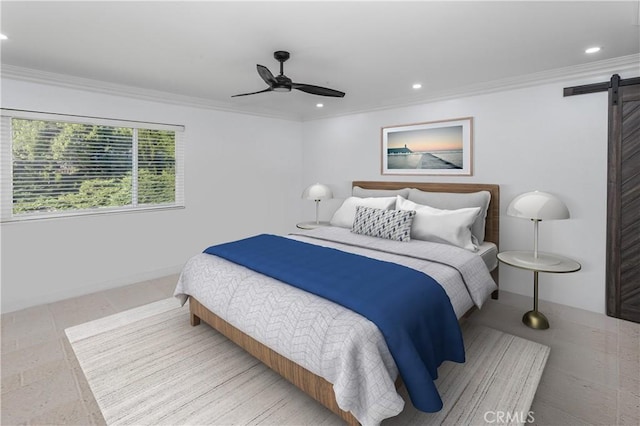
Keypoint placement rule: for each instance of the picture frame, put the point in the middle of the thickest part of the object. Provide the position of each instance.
(441, 148)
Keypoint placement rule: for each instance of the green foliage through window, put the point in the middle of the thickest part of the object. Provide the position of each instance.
(62, 166)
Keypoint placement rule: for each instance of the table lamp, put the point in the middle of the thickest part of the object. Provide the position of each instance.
(317, 192)
(538, 206)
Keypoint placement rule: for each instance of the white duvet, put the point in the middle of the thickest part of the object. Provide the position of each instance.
(327, 339)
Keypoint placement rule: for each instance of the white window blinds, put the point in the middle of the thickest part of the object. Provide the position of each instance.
(59, 165)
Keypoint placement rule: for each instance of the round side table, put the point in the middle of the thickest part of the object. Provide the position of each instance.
(545, 262)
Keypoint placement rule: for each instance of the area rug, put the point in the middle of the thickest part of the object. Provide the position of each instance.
(148, 366)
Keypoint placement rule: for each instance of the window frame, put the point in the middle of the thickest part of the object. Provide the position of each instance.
(6, 164)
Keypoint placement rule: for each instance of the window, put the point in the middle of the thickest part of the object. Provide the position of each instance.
(59, 165)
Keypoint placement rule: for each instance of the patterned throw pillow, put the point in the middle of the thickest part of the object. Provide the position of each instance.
(389, 224)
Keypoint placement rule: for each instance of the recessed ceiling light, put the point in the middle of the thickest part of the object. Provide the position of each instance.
(3, 37)
(592, 49)
(319, 105)
(417, 86)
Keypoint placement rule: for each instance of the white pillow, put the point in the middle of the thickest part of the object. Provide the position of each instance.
(454, 201)
(344, 216)
(442, 226)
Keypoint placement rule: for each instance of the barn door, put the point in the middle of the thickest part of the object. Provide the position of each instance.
(623, 202)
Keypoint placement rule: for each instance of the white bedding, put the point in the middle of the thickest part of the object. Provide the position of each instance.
(327, 339)
(489, 253)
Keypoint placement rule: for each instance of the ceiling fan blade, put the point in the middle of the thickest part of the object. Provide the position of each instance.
(269, 89)
(317, 90)
(266, 75)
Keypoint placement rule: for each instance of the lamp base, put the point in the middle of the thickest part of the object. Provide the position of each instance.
(535, 319)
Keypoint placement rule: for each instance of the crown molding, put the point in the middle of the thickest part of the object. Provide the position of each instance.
(81, 83)
(629, 64)
(624, 64)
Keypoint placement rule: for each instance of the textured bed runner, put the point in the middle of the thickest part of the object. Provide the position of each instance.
(148, 366)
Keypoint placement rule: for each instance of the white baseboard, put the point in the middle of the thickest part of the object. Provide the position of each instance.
(57, 295)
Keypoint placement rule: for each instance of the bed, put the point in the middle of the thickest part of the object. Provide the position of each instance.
(287, 351)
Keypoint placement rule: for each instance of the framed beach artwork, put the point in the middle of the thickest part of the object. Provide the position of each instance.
(434, 148)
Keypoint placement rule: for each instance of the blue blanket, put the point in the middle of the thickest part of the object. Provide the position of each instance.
(410, 308)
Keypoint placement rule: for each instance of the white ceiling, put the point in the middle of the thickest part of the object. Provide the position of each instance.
(373, 51)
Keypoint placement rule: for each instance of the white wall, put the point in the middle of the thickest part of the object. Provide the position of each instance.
(242, 177)
(524, 139)
(245, 174)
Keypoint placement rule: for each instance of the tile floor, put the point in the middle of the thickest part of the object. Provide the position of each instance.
(592, 376)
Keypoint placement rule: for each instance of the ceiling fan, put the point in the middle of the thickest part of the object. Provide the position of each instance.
(282, 83)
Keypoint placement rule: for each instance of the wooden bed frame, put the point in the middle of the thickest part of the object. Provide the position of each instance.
(313, 385)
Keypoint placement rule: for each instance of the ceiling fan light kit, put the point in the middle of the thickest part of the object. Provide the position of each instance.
(282, 83)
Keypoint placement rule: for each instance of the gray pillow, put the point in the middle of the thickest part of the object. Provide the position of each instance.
(389, 224)
(454, 201)
(366, 193)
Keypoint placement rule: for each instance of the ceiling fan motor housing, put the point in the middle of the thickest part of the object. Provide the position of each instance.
(283, 84)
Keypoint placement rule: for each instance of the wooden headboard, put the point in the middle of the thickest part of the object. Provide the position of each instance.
(492, 226)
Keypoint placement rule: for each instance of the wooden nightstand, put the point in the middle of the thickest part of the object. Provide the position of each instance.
(545, 262)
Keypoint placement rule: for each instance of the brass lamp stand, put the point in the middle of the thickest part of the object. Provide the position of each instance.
(535, 319)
